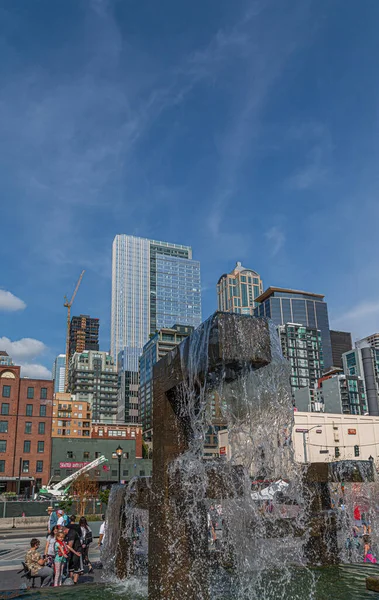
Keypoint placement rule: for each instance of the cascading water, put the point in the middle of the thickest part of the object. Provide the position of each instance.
(263, 550)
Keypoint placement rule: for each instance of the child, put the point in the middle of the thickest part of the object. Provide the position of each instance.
(61, 555)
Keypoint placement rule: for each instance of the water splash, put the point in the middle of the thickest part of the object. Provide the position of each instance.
(262, 550)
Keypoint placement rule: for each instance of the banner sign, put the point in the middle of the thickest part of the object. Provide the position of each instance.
(72, 465)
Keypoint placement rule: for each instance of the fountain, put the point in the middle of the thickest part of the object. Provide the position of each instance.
(237, 360)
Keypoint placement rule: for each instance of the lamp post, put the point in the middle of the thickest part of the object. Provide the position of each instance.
(304, 432)
(119, 452)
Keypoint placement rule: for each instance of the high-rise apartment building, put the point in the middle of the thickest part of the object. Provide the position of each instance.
(84, 334)
(341, 342)
(302, 347)
(58, 373)
(292, 306)
(363, 361)
(154, 285)
(342, 394)
(161, 343)
(93, 379)
(372, 340)
(238, 290)
(128, 384)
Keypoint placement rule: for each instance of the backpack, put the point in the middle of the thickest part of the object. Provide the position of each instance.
(53, 520)
(88, 538)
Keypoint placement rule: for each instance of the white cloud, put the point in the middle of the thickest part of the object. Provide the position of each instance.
(21, 350)
(9, 302)
(276, 238)
(361, 320)
(35, 371)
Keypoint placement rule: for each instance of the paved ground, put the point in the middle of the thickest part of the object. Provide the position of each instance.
(13, 546)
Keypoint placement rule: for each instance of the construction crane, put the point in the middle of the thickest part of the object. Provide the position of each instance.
(68, 305)
(60, 489)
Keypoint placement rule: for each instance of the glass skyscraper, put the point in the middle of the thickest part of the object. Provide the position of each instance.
(293, 306)
(59, 372)
(154, 285)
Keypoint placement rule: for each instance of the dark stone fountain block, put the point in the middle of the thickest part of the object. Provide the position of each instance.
(234, 340)
(352, 471)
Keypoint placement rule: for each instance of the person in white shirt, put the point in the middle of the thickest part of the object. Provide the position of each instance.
(61, 520)
(102, 532)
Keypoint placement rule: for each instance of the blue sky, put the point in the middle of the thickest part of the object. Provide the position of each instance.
(249, 130)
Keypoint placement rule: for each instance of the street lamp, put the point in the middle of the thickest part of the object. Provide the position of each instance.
(119, 452)
(304, 432)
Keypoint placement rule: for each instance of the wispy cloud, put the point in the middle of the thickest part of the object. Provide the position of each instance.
(9, 302)
(276, 239)
(315, 140)
(362, 319)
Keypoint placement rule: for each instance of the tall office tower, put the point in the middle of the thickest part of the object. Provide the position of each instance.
(58, 373)
(302, 347)
(92, 378)
(154, 285)
(238, 290)
(84, 334)
(292, 306)
(341, 343)
(162, 342)
(363, 361)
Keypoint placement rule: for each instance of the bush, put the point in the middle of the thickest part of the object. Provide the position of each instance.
(104, 496)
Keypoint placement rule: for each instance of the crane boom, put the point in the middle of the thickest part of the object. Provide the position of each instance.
(71, 478)
(68, 305)
(60, 488)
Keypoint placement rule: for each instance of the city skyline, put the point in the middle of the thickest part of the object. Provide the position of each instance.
(211, 127)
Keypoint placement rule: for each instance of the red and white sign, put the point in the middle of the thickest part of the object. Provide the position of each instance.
(72, 465)
(222, 450)
(352, 432)
(298, 430)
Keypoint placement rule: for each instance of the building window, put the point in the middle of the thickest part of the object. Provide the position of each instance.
(29, 410)
(337, 452)
(5, 408)
(30, 393)
(125, 472)
(42, 410)
(86, 455)
(41, 447)
(28, 427)
(43, 394)
(27, 444)
(3, 426)
(57, 472)
(356, 450)
(39, 466)
(6, 391)
(114, 473)
(97, 454)
(41, 428)
(2, 466)
(3, 445)
(70, 454)
(142, 473)
(25, 466)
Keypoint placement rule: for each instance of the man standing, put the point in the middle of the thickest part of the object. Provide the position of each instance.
(73, 540)
(37, 564)
(53, 519)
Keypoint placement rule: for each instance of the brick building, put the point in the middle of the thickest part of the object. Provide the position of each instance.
(25, 430)
(119, 431)
(71, 418)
